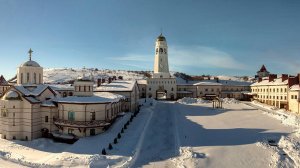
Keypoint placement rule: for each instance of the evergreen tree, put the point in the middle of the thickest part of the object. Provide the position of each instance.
(103, 152)
(115, 141)
(110, 146)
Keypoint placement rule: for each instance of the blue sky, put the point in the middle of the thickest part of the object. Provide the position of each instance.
(218, 37)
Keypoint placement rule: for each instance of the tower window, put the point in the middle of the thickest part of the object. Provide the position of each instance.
(21, 78)
(160, 50)
(34, 78)
(27, 77)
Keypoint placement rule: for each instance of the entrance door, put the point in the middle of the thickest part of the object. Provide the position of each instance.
(92, 132)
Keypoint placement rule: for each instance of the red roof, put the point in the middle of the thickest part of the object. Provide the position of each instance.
(263, 69)
(2, 80)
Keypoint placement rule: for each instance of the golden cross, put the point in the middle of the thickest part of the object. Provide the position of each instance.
(30, 53)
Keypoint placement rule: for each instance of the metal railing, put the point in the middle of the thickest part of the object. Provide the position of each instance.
(81, 124)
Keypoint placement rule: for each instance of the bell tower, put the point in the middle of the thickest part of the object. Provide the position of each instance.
(161, 65)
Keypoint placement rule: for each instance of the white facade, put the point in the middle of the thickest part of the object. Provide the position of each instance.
(161, 85)
(161, 65)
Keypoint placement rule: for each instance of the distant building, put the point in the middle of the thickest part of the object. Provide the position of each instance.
(3, 85)
(128, 88)
(263, 72)
(212, 88)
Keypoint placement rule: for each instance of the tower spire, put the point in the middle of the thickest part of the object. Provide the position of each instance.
(30, 53)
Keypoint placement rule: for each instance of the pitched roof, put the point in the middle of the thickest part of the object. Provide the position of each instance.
(2, 80)
(98, 97)
(117, 86)
(263, 69)
(31, 90)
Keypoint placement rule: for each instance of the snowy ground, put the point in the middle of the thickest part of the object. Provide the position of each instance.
(169, 134)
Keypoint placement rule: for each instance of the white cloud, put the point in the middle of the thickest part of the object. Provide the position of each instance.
(201, 56)
(181, 57)
(135, 57)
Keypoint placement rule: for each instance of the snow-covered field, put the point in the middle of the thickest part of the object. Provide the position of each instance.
(60, 75)
(168, 134)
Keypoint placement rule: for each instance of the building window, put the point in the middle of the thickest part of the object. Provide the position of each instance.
(34, 78)
(28, 77)
(21, 77)
(4, 112)
(93, 116)
(46, 118)
(206, 89)
(14, 115)
(71, 116)
(149, 88)
(295, 96)
(172, 89)
(70, 131)
(40, 78)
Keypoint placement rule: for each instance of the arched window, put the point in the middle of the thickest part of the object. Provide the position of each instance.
(165, 50)
(40, 78)
(79, 88)
(172, 89)
(156, 50)
(21, 77)
(34, 78)
(160, 50)
(28, 75)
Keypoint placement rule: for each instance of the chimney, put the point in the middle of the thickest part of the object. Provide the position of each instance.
(293, 80)
(259, 79)
(284, 77)
(99, 81)
(272, 77)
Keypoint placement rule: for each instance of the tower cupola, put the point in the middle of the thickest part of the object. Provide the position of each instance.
(30, 72)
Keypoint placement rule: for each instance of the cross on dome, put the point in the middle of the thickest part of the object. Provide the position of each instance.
(30, 53)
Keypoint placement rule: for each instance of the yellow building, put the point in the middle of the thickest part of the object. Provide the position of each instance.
(272, 91)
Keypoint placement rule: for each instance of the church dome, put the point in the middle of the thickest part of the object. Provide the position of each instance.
(30, 64)
(161, 38)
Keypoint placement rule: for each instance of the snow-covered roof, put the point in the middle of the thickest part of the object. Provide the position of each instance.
(30, 63)
(31, 90)
(32, 99)
(277, 81)
(142, 82)
(208, 83)
(48, 103)
(57, 87)
(181, 81)
(11, 94)
(295, 87)
(234, 83)
(100, 97)
(117, 85)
